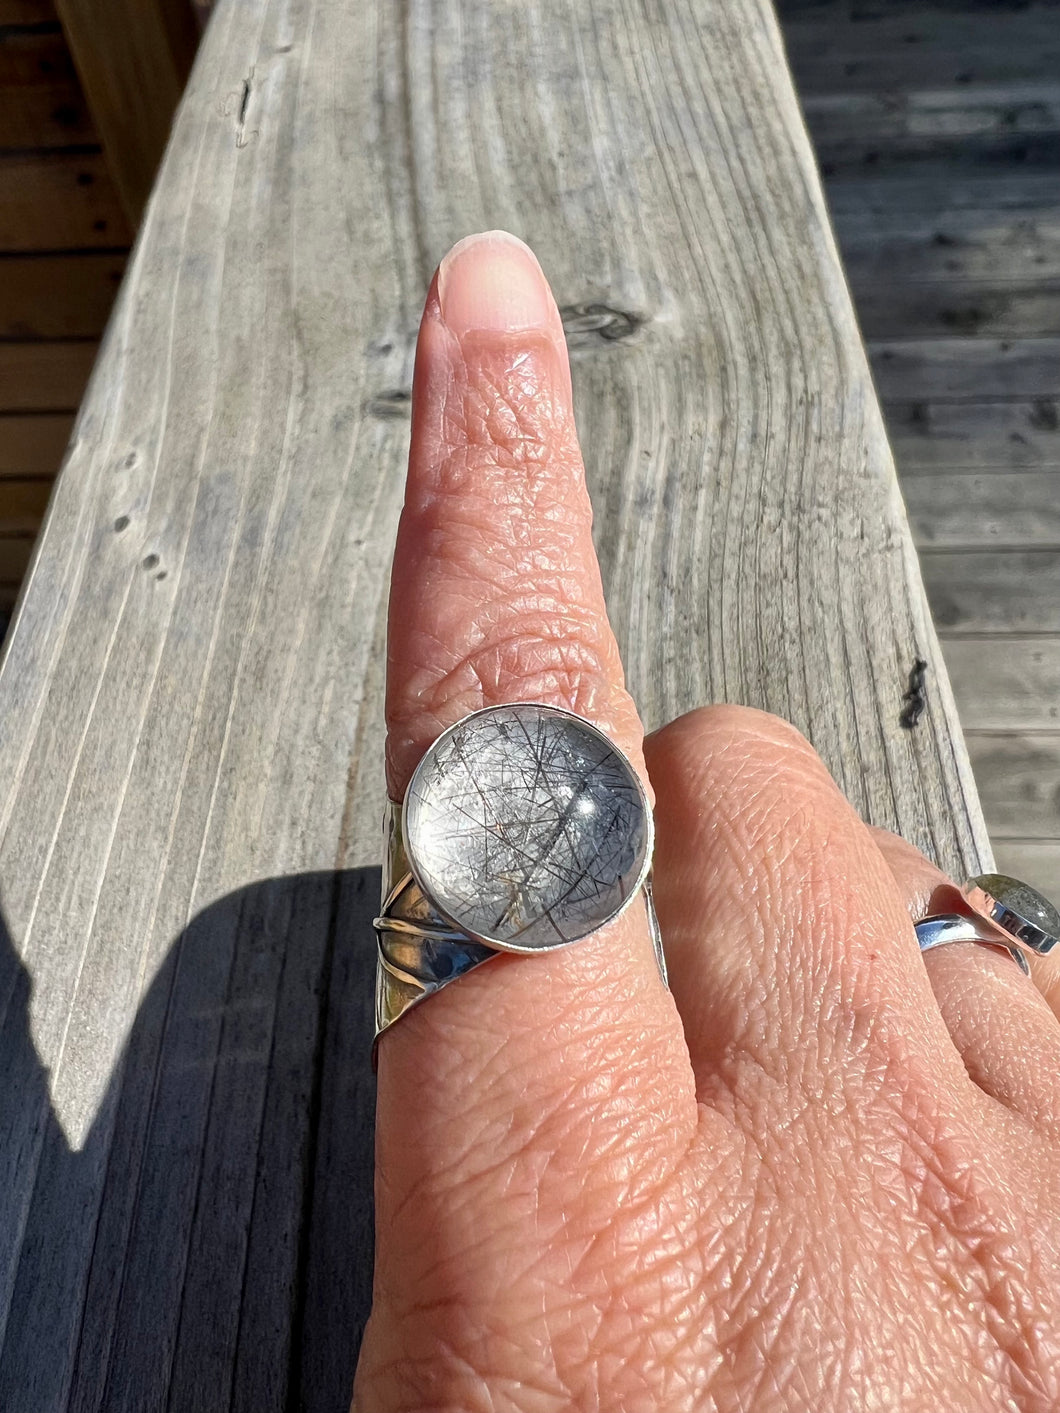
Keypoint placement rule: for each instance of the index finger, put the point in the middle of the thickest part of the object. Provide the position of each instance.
(496, 597)
(496, 592)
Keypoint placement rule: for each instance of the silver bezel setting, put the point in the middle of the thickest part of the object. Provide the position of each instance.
(1019, 928)
(417, 872)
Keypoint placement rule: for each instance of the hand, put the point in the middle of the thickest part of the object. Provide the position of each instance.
(823, 1172)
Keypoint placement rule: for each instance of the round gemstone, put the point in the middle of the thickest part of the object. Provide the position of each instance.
(527, 827)
(1023, 900)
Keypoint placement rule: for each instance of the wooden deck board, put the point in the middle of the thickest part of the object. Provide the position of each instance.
(32, 445)
(41, 104)
(44, 376)
(935, 123)
(191, 696)
(1018, 774)
(58, 201)
(988, 434)
(58, 297)
(62, 237)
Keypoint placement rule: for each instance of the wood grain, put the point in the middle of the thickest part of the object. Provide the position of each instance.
(929, 369)
(958, 237)
(132, 57)
(1018, 776)
(59, 201)
(191, 697)
(33, 445)
(994, 434)
(941, 188)
(1006, 682)
(1036, 860)
(22, 506)
(26, 12)
(58, 296)
(15, 551)
(44, 377)
(1008, 509)
(986, 591)
(41, 104)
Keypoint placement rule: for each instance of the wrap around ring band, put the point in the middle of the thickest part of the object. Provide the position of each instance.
(956, 927)
(1008, 916)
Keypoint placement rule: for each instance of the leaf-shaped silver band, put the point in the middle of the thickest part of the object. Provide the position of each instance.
(419, 951)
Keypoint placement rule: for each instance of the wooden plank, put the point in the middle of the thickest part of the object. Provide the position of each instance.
(1005, 683)
(1036, 861)
(191, 695)
(15, 550)
(995, 509)
(993, 148)
(953, 270)
(951, 245)
(989, 151)
(913, 26)
(931, 369)
(26, 12)
(975, 127)
(912, 13)
(993, 591)
(829, 53)
(914, 120)
(997, 309)
(41, 104)
(44, 377)
(22, 505)
(59, 201)
(133, 59)
(997, 434)
(882, 67)
(33, 445)
(944, 188)
(57, 296)
(1018, 775)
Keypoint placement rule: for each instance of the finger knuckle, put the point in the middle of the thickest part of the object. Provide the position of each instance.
(561, 662)
(741, 759)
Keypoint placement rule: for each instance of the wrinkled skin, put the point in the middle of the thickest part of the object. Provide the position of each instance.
(821, 1172)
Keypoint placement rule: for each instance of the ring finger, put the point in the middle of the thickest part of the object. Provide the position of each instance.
(1000, 1020)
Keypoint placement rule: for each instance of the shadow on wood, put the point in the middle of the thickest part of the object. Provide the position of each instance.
(210, 1246)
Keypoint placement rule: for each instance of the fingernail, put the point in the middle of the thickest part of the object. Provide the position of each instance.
(492, 282)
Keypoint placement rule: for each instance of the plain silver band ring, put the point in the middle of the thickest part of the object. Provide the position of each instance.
(944, 928)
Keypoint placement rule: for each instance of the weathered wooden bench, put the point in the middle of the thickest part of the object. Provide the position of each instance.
(190, 701)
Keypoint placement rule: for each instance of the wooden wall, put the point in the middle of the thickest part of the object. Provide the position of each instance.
(87, 93)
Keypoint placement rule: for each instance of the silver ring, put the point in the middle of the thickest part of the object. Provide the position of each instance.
(1009, 915)
(1019, 910)
(944, 928)
(523, 829)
